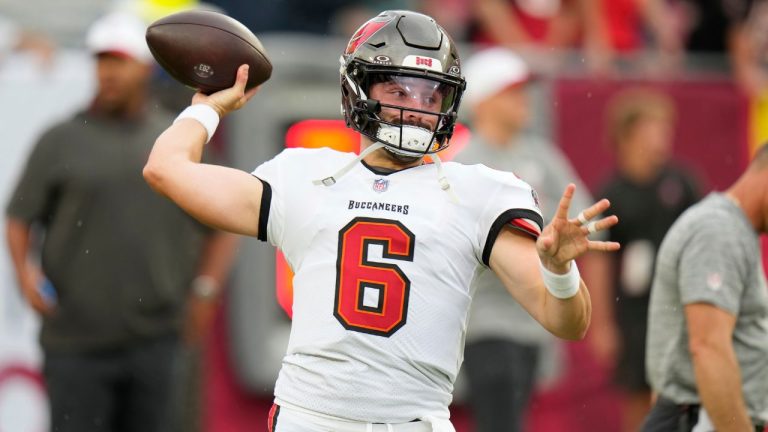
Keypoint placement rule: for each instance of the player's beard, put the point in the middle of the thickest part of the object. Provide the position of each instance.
(399, 158)
(395, 120)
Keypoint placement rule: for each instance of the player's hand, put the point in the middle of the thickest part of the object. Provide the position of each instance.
(566, 239)
(231, 99)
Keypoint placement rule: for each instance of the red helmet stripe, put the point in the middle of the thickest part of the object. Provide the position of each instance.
(362, 35)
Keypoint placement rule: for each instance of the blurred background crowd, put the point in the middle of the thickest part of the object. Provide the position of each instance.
(651, 103)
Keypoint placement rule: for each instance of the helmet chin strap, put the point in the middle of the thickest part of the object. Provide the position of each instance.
(330, 181)
(441, 178)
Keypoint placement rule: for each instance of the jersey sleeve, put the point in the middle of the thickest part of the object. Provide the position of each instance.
(512, 203)
(273, 200)
(713, 269)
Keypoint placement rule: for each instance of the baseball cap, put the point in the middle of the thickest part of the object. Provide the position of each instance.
(492, 70)
(119, 33)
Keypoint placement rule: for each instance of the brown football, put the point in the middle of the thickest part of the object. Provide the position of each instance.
(203, 49)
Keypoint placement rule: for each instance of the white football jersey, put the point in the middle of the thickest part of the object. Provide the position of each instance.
(383, 266)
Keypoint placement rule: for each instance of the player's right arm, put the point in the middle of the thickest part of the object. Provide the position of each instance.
(221, 197)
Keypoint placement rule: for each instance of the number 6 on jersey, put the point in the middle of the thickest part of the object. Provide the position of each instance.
(372, 297)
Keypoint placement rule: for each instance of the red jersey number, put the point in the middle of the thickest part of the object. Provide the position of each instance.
(372, 297)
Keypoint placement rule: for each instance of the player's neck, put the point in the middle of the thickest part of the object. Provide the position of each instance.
(385, 160)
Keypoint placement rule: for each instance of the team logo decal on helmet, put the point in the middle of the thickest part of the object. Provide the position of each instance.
(365, 31)
(408, 54)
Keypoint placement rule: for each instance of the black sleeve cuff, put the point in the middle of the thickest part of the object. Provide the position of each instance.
(504, 219)
(266, 201)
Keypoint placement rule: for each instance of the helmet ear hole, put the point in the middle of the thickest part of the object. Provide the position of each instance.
(372, 106)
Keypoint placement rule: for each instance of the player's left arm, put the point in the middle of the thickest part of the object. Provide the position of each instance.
(516, 259)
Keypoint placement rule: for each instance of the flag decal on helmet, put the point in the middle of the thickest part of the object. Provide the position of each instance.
(423, 63)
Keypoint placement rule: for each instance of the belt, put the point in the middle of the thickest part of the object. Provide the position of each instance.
(691, 417)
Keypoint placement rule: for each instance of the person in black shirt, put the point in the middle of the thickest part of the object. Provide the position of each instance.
(647, 193)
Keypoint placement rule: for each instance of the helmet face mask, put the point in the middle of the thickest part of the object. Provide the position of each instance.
(401, 83)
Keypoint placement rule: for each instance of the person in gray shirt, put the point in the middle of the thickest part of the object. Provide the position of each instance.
(507, 351)
(124, 274)
(707, 343)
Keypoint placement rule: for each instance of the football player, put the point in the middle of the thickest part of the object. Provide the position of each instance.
(384, 246)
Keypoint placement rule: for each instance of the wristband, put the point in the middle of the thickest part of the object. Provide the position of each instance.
(562, 286)
(204, 114)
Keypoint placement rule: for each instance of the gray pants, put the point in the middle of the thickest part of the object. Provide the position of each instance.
(120, 390)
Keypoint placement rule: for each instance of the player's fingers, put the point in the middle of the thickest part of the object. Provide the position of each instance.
(242, 78)
(565, 202)
(603, 246)
(592, 211)
(602, 224)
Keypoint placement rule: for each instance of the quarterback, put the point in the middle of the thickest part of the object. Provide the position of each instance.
(384, 246)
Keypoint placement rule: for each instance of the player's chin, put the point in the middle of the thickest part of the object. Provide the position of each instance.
(401, 158)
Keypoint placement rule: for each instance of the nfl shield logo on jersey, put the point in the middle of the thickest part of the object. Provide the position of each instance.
(380, 185)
